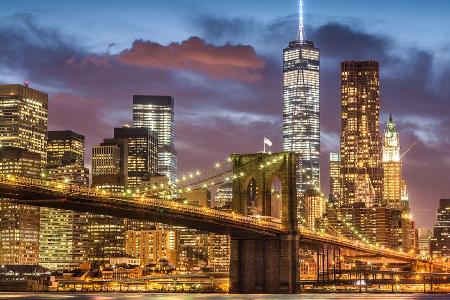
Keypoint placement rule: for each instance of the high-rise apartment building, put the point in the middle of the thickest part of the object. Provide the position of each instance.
(157, 114)
(335, 177)
(440, 242)
(301, 127)
(360, 147)
(393, 184)
(24, 119)
(142, 153)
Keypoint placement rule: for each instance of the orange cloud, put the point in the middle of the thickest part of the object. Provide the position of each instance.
(236, 62)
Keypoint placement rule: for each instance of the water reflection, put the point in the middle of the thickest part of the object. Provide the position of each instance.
(120, 296)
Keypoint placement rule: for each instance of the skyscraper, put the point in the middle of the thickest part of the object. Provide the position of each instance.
(440, 242)
(361, 168)
(63, 239)
(65, 157)
(65, 147)
(110, 164)
(392, 166)
(142, 153)
(157, 114)
(335, 177)
(301, 130)
(23, 140)
(24, 119)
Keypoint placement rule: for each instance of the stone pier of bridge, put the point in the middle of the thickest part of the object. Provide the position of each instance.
(265, 188)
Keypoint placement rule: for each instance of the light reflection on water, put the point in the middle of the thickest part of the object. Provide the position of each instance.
(119, 296)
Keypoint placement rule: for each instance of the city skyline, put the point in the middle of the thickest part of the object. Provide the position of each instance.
(258, 113)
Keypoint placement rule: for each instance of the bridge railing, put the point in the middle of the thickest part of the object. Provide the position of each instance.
(64, 189)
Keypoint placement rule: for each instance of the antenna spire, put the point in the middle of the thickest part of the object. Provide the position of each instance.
(301, 27)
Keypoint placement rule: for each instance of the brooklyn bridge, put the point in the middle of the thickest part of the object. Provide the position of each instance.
(264, 245)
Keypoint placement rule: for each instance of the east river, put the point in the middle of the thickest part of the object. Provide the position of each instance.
(120, 296)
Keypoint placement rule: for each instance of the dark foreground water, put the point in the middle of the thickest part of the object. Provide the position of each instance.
(120, 296)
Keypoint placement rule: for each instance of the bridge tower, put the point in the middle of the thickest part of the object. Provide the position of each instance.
(266, 188)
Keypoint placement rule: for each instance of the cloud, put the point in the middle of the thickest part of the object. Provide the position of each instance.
(237, 62)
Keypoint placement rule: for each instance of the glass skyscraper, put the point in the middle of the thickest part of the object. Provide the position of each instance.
(157, 113)
(301, 129)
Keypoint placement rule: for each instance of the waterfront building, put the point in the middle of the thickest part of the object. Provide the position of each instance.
(157, 114)
(440, 242)
(218, 252)
(301, 126)
(335, 177)
(63, 241)
(24, 119)
(151, 246)
(106, 237)
(360, 145)
(19, 234)
(142, 153)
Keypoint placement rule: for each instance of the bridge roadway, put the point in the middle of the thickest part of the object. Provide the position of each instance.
(53, 194)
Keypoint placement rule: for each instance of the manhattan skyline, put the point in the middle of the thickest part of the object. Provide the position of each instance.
(232, 97)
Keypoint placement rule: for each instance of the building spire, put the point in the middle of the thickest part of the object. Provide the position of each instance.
(301, 27)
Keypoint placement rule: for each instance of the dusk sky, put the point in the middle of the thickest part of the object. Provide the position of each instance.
(221, 60)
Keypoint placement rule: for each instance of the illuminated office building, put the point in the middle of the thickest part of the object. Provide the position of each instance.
(315, 207)
(153, 245)
(23, 142)
(301, 130)
(63, 242)
(20, 162)
(106, 237)
(63, 238)
(360, 147)
(424, 237)
(157, 114)
(440, 242)
(24, 119)
(392, 166)
(65, 157)
(335, 177)
(219, 252)
(19, 234)
(110, 164)
(142, 153)
(64, 148)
